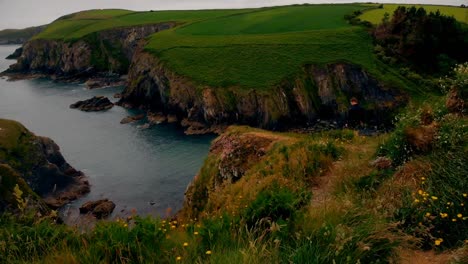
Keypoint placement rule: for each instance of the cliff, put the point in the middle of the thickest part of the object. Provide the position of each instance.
(318, 92)
(19, 36)
(245, 162)
(106, 53)
(37, 166)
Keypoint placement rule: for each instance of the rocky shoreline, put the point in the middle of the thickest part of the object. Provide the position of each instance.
(41, 170)
(317, 93)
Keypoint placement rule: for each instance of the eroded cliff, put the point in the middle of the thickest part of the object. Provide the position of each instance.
(101, 53)
(37, 166)
(316, 93)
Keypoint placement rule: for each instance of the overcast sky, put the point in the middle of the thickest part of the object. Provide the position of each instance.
(25, 13)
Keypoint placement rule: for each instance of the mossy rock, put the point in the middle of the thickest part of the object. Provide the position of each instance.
(9, 179)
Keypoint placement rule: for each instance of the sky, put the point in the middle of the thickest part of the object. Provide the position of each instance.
(26, 13)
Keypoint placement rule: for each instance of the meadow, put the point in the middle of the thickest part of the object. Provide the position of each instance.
(375, 15)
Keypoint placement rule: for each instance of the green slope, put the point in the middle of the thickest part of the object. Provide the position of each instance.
(375, 15)
(261, 48)
(80, 24)
(249, 48)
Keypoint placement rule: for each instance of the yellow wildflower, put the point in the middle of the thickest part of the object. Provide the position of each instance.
(459, 215)
(208, 252)
(420, 192)
(428, 214)
(443, 215)
(434, 198)
(195, 233)
(437, 242)
(185, 244)
(454, 220)
(422, 178)
(178, 258)
(465, 195)
(416, 200)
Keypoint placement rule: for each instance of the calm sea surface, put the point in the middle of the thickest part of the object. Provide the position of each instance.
(147, 170)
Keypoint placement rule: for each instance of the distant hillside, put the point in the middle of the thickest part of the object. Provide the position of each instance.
(19, 36)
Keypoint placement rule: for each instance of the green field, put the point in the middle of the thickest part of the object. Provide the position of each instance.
(77, 25)
(261, 48)
(375, 15)
(247, 48)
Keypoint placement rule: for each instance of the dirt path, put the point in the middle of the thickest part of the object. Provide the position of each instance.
(353, 164)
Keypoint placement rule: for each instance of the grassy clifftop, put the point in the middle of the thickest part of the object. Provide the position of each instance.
(251, 48)
(247, 48)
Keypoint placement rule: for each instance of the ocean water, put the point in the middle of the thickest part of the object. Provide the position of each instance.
(147, 170)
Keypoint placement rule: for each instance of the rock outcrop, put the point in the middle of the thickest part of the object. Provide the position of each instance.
(16, 54)
(316, 93)
(130, 119)
(97, 103)
(100, 208)
(93, 56)
(39, 163)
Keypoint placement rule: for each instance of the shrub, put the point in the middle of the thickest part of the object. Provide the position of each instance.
(276, 204)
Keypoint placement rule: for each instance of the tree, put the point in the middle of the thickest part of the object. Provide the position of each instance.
(428, 42)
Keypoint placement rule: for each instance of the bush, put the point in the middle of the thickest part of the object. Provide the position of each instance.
(276, 204)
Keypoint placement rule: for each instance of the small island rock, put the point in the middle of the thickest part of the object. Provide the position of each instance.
(97, 103)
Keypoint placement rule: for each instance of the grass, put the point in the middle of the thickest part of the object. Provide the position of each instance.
(261, 48)
(247, 49)
(308, 199)
(375, 15)
(78, 25)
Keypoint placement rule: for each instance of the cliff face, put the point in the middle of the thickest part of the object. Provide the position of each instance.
(105, 51)
(19, 36)
(36, 163)
(316, 93)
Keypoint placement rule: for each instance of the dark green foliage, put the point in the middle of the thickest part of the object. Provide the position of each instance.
(107, 55)
(274, 204)
(428, 42)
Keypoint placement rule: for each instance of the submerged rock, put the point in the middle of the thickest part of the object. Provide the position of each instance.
(100, 208)
(157, 118)
(130, 119)
(97, 103)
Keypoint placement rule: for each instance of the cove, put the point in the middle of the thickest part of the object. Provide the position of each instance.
(146, 170)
